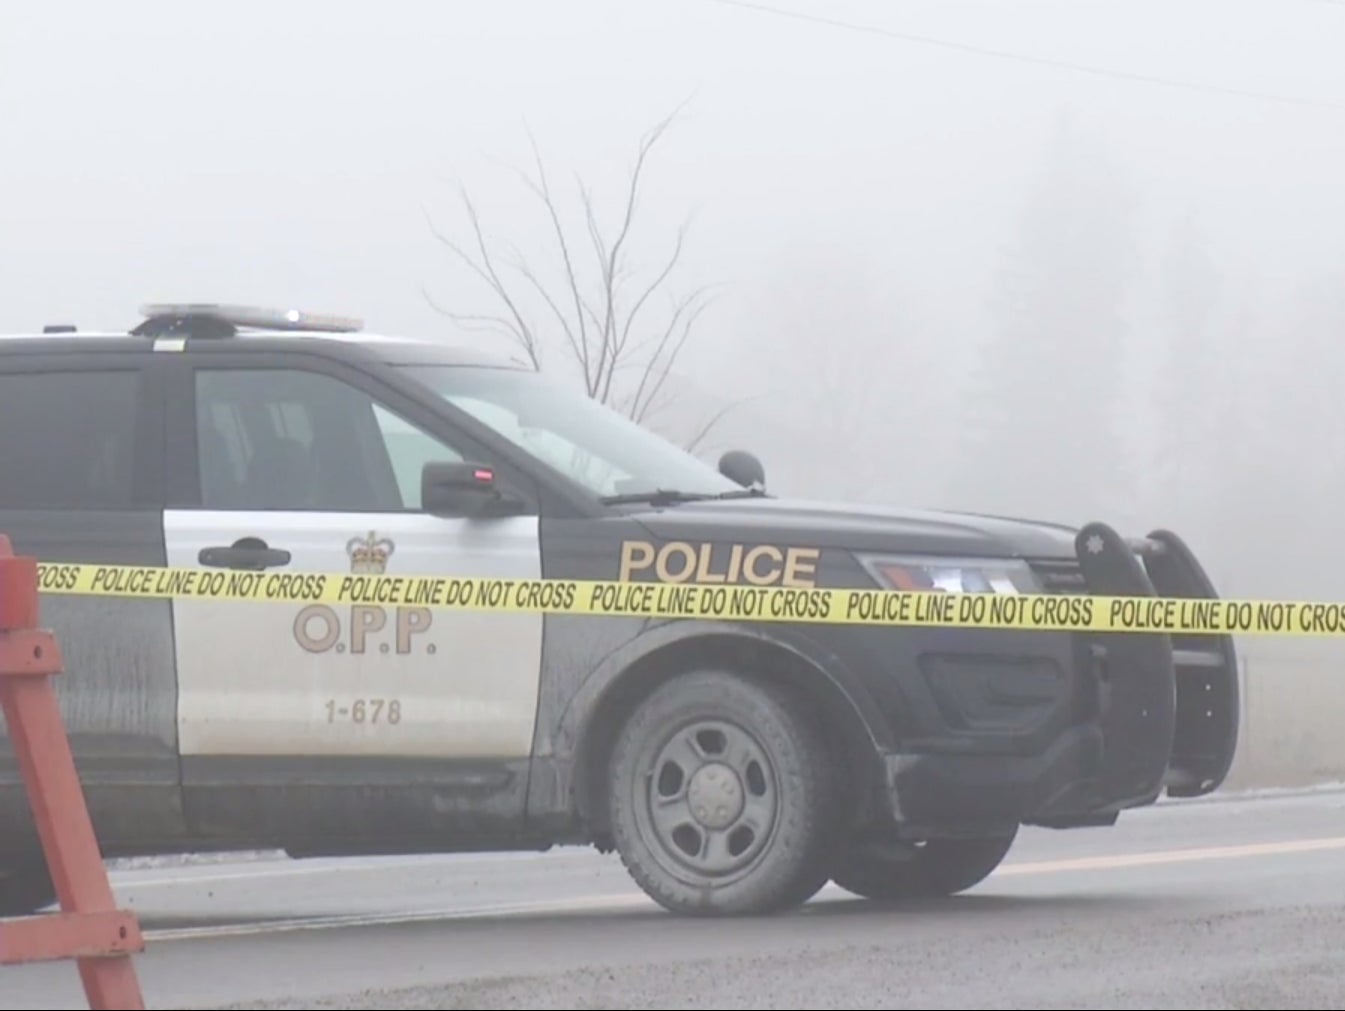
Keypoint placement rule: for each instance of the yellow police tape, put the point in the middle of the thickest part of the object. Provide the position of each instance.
(832, 606)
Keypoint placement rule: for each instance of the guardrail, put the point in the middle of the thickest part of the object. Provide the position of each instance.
(89, 927)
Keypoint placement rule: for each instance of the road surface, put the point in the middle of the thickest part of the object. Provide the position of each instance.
(1231, 903)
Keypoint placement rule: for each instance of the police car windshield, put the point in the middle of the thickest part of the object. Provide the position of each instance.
(585, 440)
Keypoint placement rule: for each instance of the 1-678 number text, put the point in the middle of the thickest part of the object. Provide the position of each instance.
(364, 711)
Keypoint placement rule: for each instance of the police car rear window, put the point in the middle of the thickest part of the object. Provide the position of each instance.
(67, 439)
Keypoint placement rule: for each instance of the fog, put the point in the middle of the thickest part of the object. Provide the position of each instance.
(1075, 260)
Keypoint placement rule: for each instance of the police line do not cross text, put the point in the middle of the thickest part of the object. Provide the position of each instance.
(719, 602)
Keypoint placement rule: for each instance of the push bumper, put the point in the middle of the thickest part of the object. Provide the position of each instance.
(1169, 703)
(1156, 711)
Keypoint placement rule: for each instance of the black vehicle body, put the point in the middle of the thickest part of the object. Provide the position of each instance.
(937, 732)
(946, 729)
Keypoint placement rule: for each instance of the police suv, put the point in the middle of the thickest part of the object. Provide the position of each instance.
(736, 767)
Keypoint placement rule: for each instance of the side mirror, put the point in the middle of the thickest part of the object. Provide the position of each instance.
(743, 468)
(461, 489)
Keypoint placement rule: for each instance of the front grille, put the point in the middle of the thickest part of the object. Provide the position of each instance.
(1065, 576)
(1060, 576)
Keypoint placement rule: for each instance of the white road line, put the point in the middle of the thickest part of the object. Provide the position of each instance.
(281, 866)
(613, 902)
(1159, 857)
(284, 867)
(588, 903)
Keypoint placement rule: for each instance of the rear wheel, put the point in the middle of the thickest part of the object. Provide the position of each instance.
(934, 868)
(721, 797)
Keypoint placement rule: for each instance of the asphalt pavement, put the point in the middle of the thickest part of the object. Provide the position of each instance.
(1226, 903)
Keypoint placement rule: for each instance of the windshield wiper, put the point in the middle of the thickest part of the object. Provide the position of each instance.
(670, 496)
(659, 496)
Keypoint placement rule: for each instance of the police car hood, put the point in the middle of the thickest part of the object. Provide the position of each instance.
(858, 527)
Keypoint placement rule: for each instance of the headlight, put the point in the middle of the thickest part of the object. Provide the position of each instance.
(951, 575)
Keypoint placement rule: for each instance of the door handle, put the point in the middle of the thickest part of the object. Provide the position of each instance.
(247, 553)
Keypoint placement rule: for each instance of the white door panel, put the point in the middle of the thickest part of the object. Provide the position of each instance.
(297, 679)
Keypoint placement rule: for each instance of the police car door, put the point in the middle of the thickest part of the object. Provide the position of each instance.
(302, 469)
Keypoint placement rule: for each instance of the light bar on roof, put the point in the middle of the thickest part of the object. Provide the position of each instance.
(253, 316)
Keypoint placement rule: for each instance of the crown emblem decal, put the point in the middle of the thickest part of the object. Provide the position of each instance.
(369, 554)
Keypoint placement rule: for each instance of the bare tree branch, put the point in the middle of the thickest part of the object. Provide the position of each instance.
(542, 188)
(624, 357)
(486, 270)
(715, 419)
(659, 372)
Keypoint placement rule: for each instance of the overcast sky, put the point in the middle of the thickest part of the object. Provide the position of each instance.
(283, 152)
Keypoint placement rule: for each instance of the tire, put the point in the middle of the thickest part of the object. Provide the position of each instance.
(933, 869)
(766, 812)
(25, 889)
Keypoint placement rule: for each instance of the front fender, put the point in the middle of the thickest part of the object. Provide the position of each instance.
(586, 703)
(559, 788)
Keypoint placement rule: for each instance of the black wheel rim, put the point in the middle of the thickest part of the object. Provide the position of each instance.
(710, 800)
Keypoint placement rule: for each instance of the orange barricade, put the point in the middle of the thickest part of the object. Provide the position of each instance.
(89, 927)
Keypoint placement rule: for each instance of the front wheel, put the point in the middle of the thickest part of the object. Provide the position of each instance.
(721, 794)
(934, 868)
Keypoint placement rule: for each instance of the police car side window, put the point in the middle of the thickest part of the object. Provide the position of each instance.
(67, 439)
(410, 448)
(291, 439)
